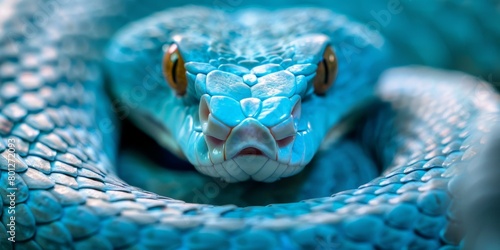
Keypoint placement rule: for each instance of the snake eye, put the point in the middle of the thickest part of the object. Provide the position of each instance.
(326, 72)
(174, 70)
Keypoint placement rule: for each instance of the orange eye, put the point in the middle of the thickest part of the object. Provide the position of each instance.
(326, 72)
(174, 70)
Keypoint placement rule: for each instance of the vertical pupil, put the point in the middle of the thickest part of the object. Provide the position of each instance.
(325, 80)
(174, 68)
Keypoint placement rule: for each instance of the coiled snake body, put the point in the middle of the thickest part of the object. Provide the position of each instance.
(59, 136)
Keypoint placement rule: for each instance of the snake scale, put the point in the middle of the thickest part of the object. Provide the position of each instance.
(59, 140)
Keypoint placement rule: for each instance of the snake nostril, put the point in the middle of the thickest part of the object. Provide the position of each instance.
(285, 141)
(213, 141)
(204, 110)
(284, 130)
(297, 110)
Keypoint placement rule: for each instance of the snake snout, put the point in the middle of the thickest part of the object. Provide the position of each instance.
(250, 137)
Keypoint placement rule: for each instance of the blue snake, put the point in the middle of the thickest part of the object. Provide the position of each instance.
(252, 95)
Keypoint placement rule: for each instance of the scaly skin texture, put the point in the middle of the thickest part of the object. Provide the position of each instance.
(57, 119)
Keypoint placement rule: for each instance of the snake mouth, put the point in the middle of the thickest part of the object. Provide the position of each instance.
(250, 151)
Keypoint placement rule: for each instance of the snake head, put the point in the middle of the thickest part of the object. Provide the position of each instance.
(250, 115)
(244, 100)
